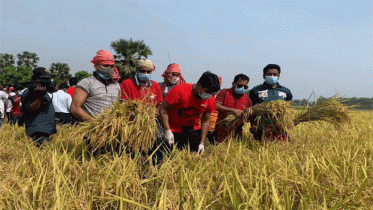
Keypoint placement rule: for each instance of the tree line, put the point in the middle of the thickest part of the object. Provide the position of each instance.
(12, 73)
(355, 103)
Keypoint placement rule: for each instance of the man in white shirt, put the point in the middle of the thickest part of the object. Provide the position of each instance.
(61, 103)
(3, 97)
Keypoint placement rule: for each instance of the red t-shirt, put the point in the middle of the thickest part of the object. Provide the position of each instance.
(15, 107)
(226, 98)
(185, 107)
(135, 91)
(71, 91)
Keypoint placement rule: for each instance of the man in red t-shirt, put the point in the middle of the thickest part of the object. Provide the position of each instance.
(141, 86)
(71, 90)
(233, 100)
(182, 107)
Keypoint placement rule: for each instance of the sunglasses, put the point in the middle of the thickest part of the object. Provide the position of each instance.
(245, 86)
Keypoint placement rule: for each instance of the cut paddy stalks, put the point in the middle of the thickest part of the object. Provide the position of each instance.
(329, 110)
(129, 126)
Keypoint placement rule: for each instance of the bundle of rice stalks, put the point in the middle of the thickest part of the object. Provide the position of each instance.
(278, 111)
(130, 125)
(329, 110)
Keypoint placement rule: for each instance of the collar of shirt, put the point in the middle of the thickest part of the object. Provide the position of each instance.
(271, 86)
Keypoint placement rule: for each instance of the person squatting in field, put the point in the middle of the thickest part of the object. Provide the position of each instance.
(233, 100)
(98, 92)
(182, 107)
(270, 90)
(171, 77)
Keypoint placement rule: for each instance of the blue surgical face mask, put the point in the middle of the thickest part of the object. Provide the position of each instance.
(103, 76)
(205, 96)
(240, 91)
(271, 80)
(144, 77)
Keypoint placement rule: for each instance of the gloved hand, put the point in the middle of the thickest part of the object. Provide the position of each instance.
(169, 136)
(201, 148)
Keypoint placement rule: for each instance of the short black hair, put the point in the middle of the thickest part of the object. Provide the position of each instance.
(240, 77)
(73, 81)
(63, 85)
(210, 81)
(271, 66)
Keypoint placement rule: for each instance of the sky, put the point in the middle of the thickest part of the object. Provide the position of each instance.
(322, 46)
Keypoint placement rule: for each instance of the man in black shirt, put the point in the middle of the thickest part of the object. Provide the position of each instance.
(38, 114)
(270, 90)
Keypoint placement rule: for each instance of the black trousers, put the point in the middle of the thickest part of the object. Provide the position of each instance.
(65, 118)
(188, 137)
(39, 138)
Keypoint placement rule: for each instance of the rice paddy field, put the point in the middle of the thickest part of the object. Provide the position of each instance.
(321, 168)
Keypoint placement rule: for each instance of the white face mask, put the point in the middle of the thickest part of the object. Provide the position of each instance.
(205, 96)
(174, 80)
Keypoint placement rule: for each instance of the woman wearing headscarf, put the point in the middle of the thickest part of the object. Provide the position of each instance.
(172, 77)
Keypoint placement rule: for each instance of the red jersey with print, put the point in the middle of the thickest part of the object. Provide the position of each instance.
(131, 90)
(185, 107)
(227, 98)
(71, 91)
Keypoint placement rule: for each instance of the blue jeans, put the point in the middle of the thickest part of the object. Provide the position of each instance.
(1, 121)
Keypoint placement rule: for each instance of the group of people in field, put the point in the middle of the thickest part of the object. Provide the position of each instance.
(187, 113)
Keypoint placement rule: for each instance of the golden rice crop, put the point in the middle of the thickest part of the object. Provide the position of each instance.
(278, 111)
(130, 125)
(330, 110)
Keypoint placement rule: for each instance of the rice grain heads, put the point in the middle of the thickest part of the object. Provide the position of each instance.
(129, 126)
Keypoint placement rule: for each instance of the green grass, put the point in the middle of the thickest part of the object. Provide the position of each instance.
(321, 168)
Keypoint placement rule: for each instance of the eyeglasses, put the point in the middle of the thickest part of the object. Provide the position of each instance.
(245, 86)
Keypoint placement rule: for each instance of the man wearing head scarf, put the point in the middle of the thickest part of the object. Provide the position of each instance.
(98, 92)
(172, 77)
(141, 86)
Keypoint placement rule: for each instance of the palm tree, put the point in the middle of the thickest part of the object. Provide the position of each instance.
(60, 72)
(128, 53)
(6, 60)
(27, 59)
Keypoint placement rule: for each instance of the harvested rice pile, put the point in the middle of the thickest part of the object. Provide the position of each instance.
(129, 126)
(277, 111)
(330, 110)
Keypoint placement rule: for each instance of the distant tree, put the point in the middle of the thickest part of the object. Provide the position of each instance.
(28, 59)
(60, 72)
(81, 75)
(6, 60)
(15, 75)
(128, 53)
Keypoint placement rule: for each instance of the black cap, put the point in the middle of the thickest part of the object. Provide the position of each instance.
(39, 72)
